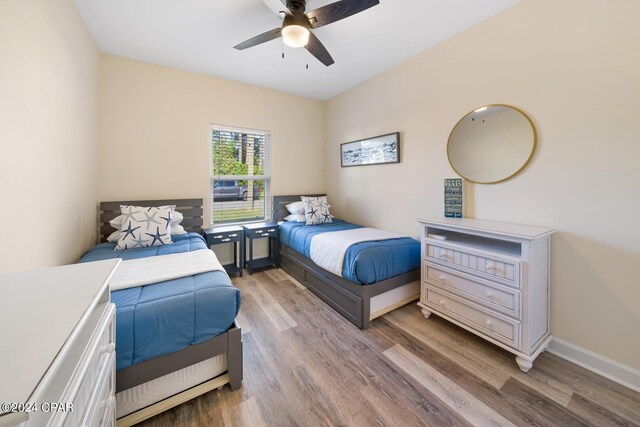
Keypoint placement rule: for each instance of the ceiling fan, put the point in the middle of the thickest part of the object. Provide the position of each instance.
(295, 30)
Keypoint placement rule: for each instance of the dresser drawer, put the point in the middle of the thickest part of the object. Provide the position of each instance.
(109, 417)
(494, 325)
(94, 363)
(224, 237)
(103, 400)
(492, 266)
(72, 369)
(494, 296)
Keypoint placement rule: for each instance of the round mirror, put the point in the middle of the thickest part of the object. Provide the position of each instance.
(491, 144)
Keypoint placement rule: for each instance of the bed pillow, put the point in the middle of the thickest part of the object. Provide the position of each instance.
(176, 228)
(177, 217)
(295, 208)
(316, 210)
(117, 222)
(296, 218)
(113, 237)
(144, 226)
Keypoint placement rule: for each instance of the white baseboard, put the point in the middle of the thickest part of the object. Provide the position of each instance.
(608, 368)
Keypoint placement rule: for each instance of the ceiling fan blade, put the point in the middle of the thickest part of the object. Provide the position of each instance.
(339, 10)
(277, 6)
(259, 39)
(317, 49)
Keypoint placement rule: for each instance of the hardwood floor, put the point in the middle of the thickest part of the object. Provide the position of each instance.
(306, 365)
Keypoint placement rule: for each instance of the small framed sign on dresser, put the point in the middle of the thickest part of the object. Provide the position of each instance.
(491, 278)
(453, 198)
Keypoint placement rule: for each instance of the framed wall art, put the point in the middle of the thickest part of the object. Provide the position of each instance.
(371, 151)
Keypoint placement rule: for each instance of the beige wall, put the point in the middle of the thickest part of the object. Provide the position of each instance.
(573, 66)
(48, 134)
(155, 126)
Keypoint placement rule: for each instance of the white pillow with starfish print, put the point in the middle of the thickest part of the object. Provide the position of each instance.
(144, 226)
(316, 210)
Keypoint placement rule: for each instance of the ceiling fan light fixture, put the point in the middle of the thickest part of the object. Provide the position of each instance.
(296, 28)
(295, 35)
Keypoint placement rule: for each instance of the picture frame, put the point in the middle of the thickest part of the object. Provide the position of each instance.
(453, 198)
(376, 150)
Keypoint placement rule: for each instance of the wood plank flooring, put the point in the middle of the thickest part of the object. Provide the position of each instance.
(305, 365)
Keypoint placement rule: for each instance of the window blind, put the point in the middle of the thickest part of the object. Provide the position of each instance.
(240, 176)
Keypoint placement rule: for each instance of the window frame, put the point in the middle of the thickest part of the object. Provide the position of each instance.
(266, 177)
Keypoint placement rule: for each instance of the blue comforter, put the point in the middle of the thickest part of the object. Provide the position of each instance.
(169, 316)
(364, 263)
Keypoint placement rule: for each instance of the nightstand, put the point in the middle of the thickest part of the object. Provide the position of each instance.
(268, 230)
(228, 234)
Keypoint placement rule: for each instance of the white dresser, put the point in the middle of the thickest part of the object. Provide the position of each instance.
(490, 278)
(57, 359)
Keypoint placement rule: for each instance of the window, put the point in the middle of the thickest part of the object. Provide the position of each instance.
(240, 179)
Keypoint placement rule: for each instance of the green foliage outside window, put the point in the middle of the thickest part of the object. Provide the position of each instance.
(230, 154)
(239, 159)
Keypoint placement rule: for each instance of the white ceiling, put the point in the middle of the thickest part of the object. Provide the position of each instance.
(199, 35)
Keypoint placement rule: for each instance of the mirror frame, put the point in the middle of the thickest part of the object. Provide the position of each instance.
(524, 165)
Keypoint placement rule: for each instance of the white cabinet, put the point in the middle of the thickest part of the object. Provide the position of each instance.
(490, 278)
(57, 327)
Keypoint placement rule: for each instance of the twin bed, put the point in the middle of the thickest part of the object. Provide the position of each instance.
(377, 276)
(177, 338)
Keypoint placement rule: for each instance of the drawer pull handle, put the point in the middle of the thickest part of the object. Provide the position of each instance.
(259, 231)
(442, 278)
(442, 302)
(489, 323)
(443, 257)
(489, 294)
(109, 348)
(271, 230)
(226, 240)
(265, 234)
(490, 267)
(219, 236)
(233, 235)
(108, 403)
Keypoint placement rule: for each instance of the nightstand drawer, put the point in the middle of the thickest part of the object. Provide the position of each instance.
(226, 237)
(223, 234)
(264, 232)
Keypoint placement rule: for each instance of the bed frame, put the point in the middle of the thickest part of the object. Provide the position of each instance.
(191, 209)
(358, 303)
(228, 343)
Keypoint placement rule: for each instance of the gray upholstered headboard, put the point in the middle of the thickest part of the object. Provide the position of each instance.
(279, 203)
(191, 209)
